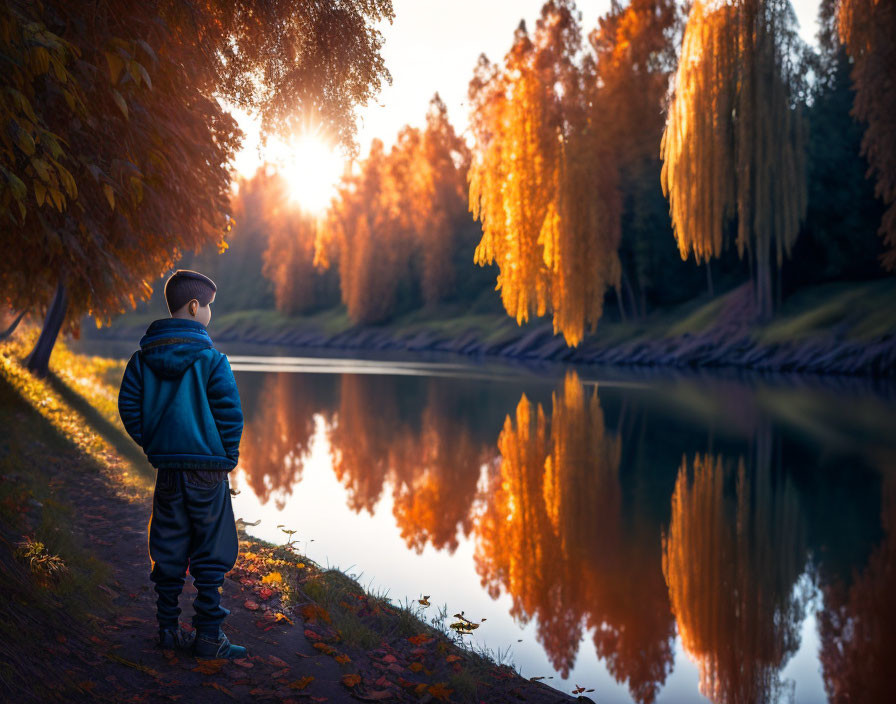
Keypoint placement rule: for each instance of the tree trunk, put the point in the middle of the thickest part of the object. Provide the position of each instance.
(763, 280)
(619, 303)
(629, 294)
(38, 361)
(12, 328)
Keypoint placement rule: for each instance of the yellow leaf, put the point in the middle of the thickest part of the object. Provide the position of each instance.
(40, 192)
(110, 195)
(272, 577)
(115, 66)
(343, 659)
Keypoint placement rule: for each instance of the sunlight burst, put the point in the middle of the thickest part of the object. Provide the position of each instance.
(311, 170)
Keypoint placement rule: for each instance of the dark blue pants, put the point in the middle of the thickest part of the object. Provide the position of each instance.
(192, 525)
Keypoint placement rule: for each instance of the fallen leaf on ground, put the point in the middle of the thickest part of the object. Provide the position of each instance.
(351, 680)
(376, 694)
(302, 682)
(415, 666)
(210, 667)
(452, 658)
(440, 691)
(251, 605)
(343, 659)
(220, 688)
(276, 662)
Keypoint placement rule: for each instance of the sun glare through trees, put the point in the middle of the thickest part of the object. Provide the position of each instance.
(311, 169)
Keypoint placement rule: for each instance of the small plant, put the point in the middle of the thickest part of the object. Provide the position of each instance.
(41, 563)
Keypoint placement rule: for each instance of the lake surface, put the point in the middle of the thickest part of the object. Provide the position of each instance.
(658, 539)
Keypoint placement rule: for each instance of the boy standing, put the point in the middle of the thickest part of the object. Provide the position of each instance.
(179, 402)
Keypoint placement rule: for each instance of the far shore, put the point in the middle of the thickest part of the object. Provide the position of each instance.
(834, 329)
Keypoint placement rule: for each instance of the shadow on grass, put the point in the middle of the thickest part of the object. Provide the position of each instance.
(123, 445)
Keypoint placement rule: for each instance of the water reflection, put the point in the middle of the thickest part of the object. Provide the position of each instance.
(858, 623)
(734, 551)
(621, 515)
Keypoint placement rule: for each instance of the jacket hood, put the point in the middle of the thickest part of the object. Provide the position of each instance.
(171, 345)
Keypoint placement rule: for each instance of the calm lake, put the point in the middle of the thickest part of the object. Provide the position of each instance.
(657, 538)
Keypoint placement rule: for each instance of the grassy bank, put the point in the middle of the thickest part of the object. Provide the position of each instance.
(67, 434)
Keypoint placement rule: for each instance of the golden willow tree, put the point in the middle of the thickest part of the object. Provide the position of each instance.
(114, 148)
(867, 27)
(734, 142)
(543, 181)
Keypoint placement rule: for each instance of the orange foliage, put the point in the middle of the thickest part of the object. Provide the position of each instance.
(395, 208)
(543, 179)
(867, 27)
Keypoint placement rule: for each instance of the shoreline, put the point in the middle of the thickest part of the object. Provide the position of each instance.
(716, 349)
(311, 632)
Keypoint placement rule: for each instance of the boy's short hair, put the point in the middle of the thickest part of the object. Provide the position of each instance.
(184, 285)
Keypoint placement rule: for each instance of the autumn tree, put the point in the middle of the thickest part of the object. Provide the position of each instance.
(398, 221)
(542, 178)
(115, 149)
(288, 257)
(444, 162)
(635, 56)
(867, 27)
(368, 233)
(734, 141)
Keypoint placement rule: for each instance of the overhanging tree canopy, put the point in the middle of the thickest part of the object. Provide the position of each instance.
(115, 150)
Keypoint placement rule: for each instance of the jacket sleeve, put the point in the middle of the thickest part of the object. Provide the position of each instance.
(130, 397)
(224, 401)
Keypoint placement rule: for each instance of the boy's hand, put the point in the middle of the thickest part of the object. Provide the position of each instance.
(224, 401)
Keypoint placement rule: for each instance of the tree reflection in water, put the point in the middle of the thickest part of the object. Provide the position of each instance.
(732, 556)
(277, 437)
(551, 535)
(858, 624)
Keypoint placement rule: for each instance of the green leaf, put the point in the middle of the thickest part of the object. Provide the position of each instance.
(19, 190)
(41, 167)
(24, 140)
(119, 101)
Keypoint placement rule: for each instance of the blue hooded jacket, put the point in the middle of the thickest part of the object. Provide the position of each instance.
(178, 398)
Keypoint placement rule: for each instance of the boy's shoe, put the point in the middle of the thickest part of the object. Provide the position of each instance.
(205, 647)
(171, 638)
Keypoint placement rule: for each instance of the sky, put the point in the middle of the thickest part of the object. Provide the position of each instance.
(433, 45)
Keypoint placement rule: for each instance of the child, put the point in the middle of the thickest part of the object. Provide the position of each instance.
(179, 402)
